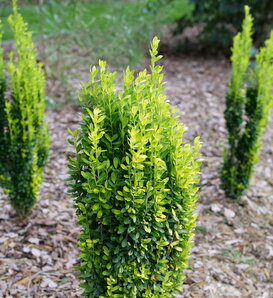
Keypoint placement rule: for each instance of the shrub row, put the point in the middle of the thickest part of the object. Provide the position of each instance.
(133, 178)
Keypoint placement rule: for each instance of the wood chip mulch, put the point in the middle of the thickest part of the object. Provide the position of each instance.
(232, 254)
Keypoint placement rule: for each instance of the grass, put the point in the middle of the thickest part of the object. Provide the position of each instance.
(236, 256)
(55, 17)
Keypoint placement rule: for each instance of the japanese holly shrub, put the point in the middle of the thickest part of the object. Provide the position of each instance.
(248, 104)
(23, 132)
(134, 183)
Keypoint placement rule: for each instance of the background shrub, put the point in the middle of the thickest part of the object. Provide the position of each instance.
(223, 18)
(248, 104)
(2, 102)
(134, 185)
(24, 135)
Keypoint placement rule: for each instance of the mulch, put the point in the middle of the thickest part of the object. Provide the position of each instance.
(232, 255)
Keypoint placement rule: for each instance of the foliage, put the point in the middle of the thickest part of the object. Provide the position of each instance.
(134, 185)
(2, 103)
(248, 104)
(155, 5)
(167, 11)
(221, 18)
(24, 135)
(175, 10)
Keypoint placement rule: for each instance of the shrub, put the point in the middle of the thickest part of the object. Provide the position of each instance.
(248, 103)
(2, 103)
(24, 134)
(221, 18)
(134, 184)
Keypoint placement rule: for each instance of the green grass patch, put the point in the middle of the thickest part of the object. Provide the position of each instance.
(59, 17)
(237, 257)
(56, 17)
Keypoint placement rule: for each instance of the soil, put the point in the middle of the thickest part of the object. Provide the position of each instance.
(232, 254)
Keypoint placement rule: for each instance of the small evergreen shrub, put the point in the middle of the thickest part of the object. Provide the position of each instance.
(23, 132)
(248, 104)
(2, 102)
(134, 183)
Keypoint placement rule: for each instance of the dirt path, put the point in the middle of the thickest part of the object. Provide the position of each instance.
(233, 251)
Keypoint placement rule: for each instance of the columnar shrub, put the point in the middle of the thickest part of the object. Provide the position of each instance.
(2, 102)
(134, 183)
(23, 132)
(248, 104)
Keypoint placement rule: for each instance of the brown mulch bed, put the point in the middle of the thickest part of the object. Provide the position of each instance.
(232, 254)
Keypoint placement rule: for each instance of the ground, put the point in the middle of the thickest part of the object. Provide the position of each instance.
(232, 254)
